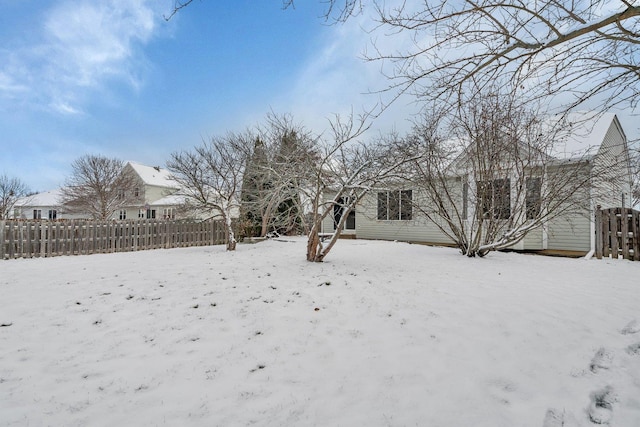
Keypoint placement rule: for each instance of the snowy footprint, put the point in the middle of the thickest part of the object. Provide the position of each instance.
(557, 418)
(632, 327)
(601, 407)
(634, 349)
(601, 360)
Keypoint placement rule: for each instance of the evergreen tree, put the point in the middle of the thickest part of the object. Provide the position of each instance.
(254, 186)
(291, 154)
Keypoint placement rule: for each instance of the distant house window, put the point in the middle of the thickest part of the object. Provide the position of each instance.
(136, 192)
(120, 194)
(395, 205)
(123, 214)
(53, 214)
(168, 213)
(533, 197)
(142, 213)
(494, 198)
(37, 214)
(151, 213)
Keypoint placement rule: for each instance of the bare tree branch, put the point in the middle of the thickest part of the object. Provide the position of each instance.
(11, 189)
(97, 187)
(177, 6)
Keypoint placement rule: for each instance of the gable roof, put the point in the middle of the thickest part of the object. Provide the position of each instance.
(579, 134)
(46, 198)
(575, 136)
(154, 175)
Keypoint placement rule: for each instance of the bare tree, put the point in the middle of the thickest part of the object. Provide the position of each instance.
(211, 175)
(97, 187)
(11, 189)
(582, 49)
(348, 170)
(491, 173)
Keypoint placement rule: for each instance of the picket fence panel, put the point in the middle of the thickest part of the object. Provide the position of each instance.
(29, 239)
(618, 233)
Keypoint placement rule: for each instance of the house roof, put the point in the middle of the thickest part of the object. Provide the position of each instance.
(46, 198)
(579, 134)
(154, 175)
(170, 200)
(573, 136)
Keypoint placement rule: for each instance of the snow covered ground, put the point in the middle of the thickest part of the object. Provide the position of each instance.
(381, 334)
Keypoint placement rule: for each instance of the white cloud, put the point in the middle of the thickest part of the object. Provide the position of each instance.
(338, 80)
(82, 46)
(9, 85)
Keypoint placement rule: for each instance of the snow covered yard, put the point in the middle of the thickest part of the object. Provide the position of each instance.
(381, 334)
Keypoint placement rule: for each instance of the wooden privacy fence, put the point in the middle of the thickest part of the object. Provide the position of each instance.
(618, 233)
(27, 239)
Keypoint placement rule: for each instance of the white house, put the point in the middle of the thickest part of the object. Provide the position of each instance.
(152, 184)
(595, 142)
(45, 205)
(150, 198)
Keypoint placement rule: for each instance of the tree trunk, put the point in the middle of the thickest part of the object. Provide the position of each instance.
(314, 248)
(231, 238)
(314, 245)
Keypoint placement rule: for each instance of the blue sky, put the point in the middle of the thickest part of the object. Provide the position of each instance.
(112, 77)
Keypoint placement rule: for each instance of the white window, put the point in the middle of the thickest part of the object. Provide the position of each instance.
(168, 213)
(53, 214)
(142, 213)
(37, 214)
(123, 214)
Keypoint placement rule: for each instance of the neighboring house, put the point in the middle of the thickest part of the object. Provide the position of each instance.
(156, 196)
(597, 143)
(149, 199)
(153, 184)
(45, 205)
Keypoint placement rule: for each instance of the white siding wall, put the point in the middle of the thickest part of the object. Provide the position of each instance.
(533, 240)
(570, 233)
(417, 230)
(152, 193)
(611, 174)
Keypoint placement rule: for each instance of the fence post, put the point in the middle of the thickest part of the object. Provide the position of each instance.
(613, 232)
(2, 242)
(635, 229)
(624, 232)
(599, 232)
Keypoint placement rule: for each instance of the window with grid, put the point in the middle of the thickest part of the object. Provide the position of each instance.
(395, 205)
(494, 198)
(533, 197)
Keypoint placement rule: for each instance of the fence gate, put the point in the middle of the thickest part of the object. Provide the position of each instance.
(618, 233)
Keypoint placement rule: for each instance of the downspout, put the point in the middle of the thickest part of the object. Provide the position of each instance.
(592, 219)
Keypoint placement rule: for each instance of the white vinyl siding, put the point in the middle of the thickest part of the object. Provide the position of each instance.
(570, 233)
(419, 229)
(611, 176)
